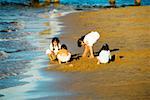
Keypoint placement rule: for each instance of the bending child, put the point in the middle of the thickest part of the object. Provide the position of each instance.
(104, 55)
(53, 49)
(87, 41)
(63, 54)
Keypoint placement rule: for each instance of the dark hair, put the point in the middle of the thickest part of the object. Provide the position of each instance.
(55, 39)
(63, 46)
(80, 40)
(105, 47)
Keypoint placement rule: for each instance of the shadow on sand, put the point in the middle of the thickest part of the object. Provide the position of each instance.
(75, 57)
(78, 56)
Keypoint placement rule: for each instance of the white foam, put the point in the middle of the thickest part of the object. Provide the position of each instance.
(55, 24)
(21, 92)
(10, 39)
(3, 55)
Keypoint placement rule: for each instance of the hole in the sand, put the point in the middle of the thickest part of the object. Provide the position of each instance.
(75, 57)
(113, 58)
(121, 57)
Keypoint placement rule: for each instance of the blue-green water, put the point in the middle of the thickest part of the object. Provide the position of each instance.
(81, 2)
(19, 46)
(103, 2)
(21, 43)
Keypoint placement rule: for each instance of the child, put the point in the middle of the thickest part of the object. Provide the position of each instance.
(88, 41)
(53, 49)
(104, 55)
(63, 54)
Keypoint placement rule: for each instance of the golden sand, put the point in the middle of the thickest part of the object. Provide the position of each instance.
(126, 29)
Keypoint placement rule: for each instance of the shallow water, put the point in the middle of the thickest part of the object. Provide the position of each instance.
(17, 45)
(80, 2)
(21, 41)
(22, 50)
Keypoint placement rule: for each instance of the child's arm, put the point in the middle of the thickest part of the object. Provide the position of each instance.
(51, 47)
(109, 55)
(59, 46)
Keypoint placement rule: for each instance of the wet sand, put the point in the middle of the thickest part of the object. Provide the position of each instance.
(126, 30)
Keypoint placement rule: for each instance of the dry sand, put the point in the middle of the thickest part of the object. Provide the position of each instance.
(127, 31)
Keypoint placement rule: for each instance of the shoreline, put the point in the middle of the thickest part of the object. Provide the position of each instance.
(126, 78)
(111, 30)
(125, 30)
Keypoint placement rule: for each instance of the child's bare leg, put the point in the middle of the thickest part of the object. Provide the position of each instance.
(91, 52)
(50, 57)
(59, 61)
(98, 62)
(86, 50)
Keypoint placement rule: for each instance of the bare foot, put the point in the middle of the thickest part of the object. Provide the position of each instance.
(98, 62)
(71, 65)
(59, 61)
(91, 56)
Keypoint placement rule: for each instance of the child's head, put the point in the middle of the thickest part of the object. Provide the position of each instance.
(55, 41)
(105, 47)
(80, 41)
(63, 46)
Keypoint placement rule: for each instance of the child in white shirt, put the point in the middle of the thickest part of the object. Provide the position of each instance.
(104, 55)
(53, 48)
(88, 41)
(63, 54)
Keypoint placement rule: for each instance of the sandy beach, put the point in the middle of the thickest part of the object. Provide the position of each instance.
(126, 30)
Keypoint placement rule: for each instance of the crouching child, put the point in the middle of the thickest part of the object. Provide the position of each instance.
(104, 55)
(63, 54)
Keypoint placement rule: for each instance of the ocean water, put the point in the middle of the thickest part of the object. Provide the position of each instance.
(17, 46)
(81, 2)
(102, 2)
(22, 44)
